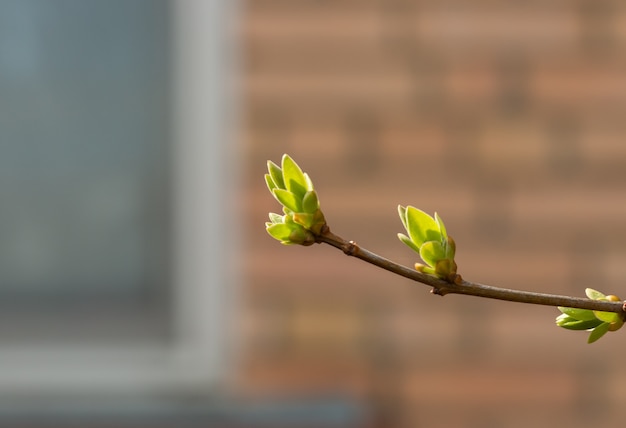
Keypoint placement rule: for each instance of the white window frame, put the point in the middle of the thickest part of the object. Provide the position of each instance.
(201, 355)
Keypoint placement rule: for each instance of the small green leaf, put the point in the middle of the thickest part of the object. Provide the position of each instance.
(445, 268)
(570, 323)
(276, 174)
(450, 247)
(310, 203)
(442, 227)
(288, 199)
(280, 231)
(294, 178)
(579, 314)
(616, 325)
(594, 294)
(270, 183)
(431, 252)
(318, 223)
(276, 218)
(304, 219)
(609, 317)
(424, 269)
(309, 183)
(406, 240)
(421, 226)
(402, 214)
(598, 332)
(290, 233)
(301, 236)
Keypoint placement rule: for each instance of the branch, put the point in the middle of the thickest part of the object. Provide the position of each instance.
(442, 287)
(303, 223)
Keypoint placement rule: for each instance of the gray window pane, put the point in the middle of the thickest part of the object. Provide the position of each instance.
(83, 148)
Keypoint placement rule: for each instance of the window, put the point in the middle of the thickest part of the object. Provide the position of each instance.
(114, 152)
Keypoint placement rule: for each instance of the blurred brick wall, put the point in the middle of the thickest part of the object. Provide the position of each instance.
(507, 118)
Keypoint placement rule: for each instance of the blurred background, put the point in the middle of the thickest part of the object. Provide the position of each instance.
(138, 286)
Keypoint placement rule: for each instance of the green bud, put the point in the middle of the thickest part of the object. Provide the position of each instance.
(598, 322)
(294, 190)
(429, 238)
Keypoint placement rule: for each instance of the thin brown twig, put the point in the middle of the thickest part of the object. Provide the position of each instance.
(442, 287)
